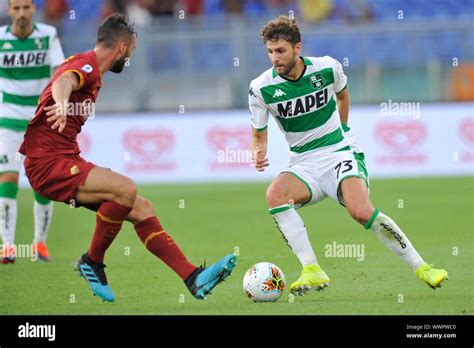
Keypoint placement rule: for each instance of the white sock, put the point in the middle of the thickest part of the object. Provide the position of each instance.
(294, 233)
(8, 214)
(393, 237)
(43, 216)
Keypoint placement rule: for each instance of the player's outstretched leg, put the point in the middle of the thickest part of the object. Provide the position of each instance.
(43, 212)
(285, 188)
(199, 280)
(359, 206)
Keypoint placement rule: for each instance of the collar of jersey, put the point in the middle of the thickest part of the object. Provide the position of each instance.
(34, 28)
(306, 62)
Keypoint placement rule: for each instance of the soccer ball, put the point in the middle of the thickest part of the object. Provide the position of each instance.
(264, 282)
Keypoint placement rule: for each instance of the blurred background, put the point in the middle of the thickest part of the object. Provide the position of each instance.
(179, 112)
(203, 53)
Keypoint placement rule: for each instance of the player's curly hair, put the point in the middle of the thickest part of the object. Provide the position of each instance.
(113, 28)
(281, 28)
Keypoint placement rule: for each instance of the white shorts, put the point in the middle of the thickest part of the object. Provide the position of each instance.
(323, 174)
(10, 158)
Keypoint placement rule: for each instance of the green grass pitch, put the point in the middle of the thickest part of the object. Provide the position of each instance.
(211, 220)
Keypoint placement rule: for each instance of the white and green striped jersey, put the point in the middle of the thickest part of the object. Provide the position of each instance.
(305, 109)
(26, 66)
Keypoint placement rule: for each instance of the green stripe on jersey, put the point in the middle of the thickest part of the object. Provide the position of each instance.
(34, 44)
(14, 124)
(326, 140)
(31, 100)
(291, 90)
(309, 121)
(26, 73)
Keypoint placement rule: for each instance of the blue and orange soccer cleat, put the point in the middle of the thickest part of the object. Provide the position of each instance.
(93, 273)
(203, 279)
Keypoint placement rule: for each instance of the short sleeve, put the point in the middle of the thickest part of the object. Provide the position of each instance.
(83, 68)
(56, 51)
(340, 79)
(258, 109)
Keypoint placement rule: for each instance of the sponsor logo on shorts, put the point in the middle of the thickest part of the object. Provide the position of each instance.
(74, 170)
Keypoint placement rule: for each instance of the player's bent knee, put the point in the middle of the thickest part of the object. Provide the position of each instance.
(142, 210)
(127, 192)
(276, 196)
(146, 207)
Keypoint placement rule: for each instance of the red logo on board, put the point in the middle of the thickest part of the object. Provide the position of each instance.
(148, 150)
(230, 147)
(402, 142)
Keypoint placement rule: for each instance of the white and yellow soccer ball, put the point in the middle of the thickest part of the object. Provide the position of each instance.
(264, 282)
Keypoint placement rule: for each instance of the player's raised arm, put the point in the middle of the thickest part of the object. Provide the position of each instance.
(61, 91)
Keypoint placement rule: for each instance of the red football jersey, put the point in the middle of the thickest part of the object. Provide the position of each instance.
(40, 140)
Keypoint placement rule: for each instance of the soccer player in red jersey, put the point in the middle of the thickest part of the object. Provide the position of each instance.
(57, 171)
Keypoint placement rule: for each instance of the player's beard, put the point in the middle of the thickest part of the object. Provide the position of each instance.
(119, 65)
(290, 66)
(23, 23)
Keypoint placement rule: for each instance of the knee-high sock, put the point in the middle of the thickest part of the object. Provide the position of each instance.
(43, 212)
(110, 217)
(293, 230)
(393, 237)
(8, 212)
(160, 244)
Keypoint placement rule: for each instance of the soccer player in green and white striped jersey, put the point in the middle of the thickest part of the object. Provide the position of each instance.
(309, 99)
(28, 54)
